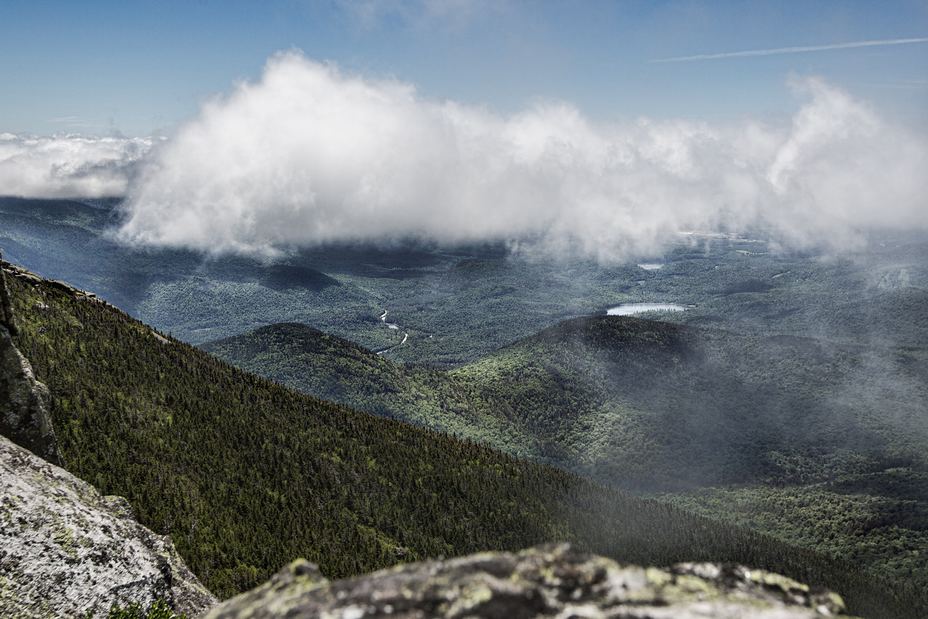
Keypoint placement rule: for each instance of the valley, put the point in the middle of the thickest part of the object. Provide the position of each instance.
(788, 396)
(459, 304)
(668, 411)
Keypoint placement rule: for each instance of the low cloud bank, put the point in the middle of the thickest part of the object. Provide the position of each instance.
(68, 166)
(308, 155)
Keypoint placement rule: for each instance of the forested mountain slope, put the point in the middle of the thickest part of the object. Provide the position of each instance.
(818, 442)
(333, 368)
(706, 406)
(245, 474)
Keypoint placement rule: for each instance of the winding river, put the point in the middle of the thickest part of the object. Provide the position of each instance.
(392, 325)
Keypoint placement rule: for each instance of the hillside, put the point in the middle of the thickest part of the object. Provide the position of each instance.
(245, 474)
(332, 368)
(710, 405)
(820, 443)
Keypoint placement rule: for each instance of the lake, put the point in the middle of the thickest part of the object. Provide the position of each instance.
(628, 309)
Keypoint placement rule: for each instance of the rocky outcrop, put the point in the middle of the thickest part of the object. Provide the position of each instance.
(24, 401)
(551, 581)
(6, 304)
(24, 414)
(67, 551)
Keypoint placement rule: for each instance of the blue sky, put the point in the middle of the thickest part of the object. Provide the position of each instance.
(101, 66)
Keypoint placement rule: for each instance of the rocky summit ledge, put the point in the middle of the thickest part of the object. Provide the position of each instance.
(548, 581)
(67, 551)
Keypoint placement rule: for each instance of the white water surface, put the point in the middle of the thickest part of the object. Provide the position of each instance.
(629, 309)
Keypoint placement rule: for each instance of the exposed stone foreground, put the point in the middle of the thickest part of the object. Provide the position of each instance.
(550, 581)
(66, 550)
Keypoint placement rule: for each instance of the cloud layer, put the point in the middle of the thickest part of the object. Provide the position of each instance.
(67, 166)
(308, 155)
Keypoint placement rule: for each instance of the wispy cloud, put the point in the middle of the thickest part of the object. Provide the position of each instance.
(801, 49)
(68, 165)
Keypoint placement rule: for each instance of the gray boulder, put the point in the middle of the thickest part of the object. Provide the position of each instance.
(68, 551)
(549, 581)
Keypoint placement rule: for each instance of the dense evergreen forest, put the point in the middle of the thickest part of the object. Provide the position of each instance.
(788, 435)
(246, 474)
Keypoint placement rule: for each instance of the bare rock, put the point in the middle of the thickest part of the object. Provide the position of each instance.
(67, 551)
(24, 414)
(548, 581)
(24, 403)
(6, 304)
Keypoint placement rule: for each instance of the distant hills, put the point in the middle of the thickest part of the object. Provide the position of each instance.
(460, 304)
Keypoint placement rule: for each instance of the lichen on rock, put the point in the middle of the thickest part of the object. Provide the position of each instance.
(68, 551)
(548, 581)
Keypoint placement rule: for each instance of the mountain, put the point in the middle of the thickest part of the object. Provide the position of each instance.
(821, 443)
(245, 474)
(332, 368)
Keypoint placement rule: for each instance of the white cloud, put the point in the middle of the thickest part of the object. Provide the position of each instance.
(67, 166)
(308, 155)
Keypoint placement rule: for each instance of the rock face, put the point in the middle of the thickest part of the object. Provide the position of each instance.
(24, 415)
(6, 304)
(550, 581)
(66, 550)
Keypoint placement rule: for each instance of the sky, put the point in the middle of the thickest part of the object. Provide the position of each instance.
(598, 129)
(136, 67)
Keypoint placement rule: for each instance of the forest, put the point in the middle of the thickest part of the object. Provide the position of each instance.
(246, 474)
(786, 435)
